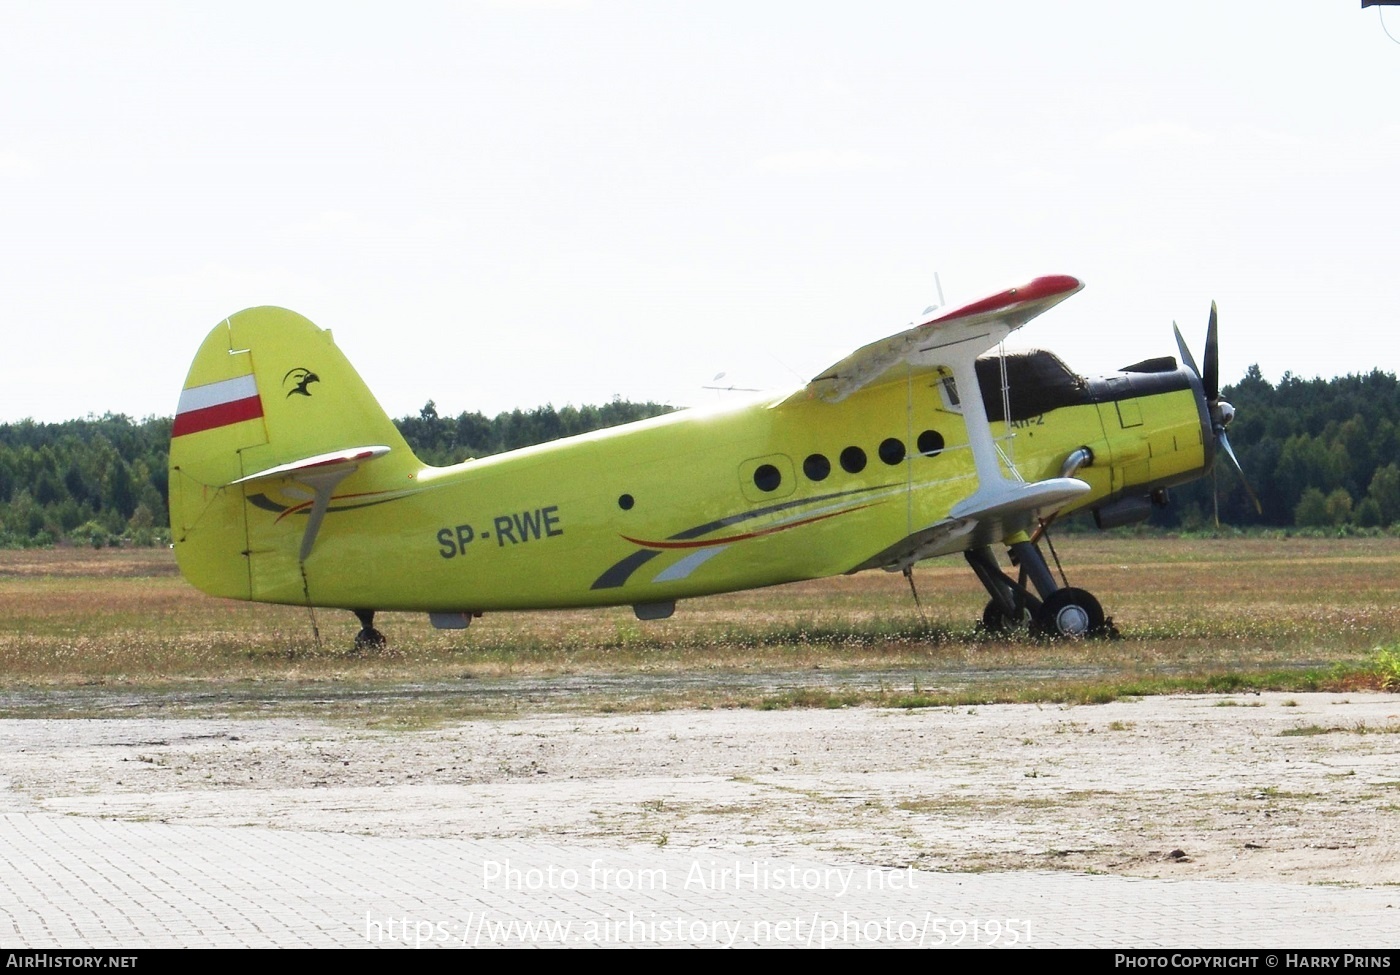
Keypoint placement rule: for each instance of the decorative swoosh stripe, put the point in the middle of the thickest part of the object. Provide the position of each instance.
(677, 571)
(730, 539)
(262, 501)
(710, 526)
(619, 572)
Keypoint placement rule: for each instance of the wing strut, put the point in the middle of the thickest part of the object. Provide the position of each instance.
(996, 493)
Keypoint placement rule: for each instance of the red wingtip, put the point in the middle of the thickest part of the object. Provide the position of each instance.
(1044, 287)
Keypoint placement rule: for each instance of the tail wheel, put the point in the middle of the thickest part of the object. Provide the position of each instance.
(1069, 614)
(370, 639)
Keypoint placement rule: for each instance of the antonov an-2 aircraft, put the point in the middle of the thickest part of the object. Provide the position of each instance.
(290, 484)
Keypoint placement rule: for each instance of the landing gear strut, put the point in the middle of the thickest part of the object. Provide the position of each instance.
(1060, 611)
(1012, 605)
(996, 620)
(368, 638)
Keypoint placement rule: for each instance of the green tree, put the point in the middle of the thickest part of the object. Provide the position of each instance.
(1338, 507)
(1385, 492)
(1368, 513)
(1311, 511)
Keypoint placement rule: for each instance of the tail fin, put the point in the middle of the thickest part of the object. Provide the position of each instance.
(272, 417)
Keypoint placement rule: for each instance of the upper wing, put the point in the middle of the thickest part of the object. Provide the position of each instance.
(974, 328)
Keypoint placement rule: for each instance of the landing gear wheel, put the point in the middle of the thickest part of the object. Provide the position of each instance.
(370, 639)
(1069, 614)
(995, 620)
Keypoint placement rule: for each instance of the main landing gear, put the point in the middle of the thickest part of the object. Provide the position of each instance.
(1057, 611)
(368, 638)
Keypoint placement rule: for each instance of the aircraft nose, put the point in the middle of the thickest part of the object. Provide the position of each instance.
(1221, 412)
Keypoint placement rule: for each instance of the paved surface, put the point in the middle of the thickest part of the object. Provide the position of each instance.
(68, 881)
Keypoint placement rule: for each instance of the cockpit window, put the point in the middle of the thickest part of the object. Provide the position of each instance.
(1037, 382)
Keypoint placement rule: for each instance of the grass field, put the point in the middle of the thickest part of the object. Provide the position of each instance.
(1227, 614)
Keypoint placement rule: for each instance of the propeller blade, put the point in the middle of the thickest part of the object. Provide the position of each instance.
(1221, 413)
(1186, 355)
(1211, 377)
(1224, 442)
(1215, 492)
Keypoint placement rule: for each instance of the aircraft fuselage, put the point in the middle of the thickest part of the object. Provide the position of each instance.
(700, 501)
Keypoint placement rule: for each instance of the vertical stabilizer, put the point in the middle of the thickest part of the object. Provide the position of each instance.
(267, 392)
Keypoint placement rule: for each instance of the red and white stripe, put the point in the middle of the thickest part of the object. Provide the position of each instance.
(217, 405)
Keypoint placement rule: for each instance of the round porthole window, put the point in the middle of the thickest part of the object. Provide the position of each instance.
(930, 443)
(767, 477)
(816, 467)
(892, 451)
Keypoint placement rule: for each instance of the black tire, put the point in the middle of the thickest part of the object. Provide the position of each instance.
(370, 639)
(994, 620)
(1070, 614)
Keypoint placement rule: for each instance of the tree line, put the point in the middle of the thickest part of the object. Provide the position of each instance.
(1318, 453)
(105, 480)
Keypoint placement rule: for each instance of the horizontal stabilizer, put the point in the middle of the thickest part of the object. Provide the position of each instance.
(321, 463)
(321, 473)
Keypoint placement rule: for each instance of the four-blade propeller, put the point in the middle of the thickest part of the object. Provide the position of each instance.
(1221, 412)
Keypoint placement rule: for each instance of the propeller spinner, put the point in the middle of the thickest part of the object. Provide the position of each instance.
(1221, 412)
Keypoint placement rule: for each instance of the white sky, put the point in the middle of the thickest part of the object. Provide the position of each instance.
(508, 204)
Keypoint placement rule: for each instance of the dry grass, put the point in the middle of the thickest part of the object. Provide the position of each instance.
(1194, 614)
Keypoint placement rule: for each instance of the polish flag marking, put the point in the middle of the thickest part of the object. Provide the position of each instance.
(217, 405)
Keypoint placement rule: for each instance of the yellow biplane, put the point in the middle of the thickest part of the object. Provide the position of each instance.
(290, 484)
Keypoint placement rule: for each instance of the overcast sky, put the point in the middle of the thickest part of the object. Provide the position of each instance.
(517, 203)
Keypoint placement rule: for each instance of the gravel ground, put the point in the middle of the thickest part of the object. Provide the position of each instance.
(1298, 788)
